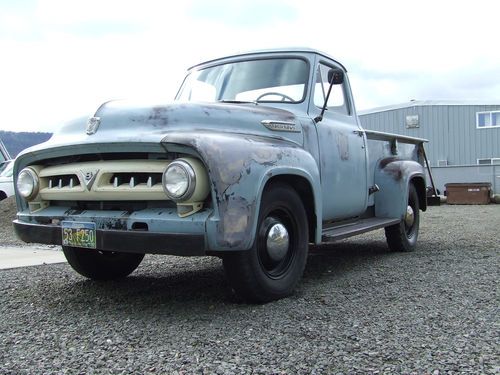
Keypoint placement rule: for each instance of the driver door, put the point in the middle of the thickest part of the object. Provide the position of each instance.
(342, 148)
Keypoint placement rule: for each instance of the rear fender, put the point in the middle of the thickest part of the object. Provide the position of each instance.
(393, 177)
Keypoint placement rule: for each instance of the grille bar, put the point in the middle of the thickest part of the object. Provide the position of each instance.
(134, 179)
(63, 181)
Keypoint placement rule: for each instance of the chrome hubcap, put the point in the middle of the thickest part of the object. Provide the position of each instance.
(409, 217)
(277, 242)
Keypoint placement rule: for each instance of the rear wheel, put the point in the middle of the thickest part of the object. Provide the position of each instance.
(101, 265)
(403, 236)
(272, 268)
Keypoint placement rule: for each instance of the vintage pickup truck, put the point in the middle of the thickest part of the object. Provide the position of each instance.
(259, 155)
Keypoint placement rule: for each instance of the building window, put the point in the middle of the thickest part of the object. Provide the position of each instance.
(412, 121)
(442, 163)
(488, 161)
(488, 119)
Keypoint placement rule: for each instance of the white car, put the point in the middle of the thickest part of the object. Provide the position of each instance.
(6, 179)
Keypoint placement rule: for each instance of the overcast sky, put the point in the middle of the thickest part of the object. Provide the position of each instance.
(61, 58)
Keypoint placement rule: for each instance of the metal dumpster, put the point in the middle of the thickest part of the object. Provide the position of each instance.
(468, 193)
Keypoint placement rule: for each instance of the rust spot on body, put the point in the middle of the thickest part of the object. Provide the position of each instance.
(392, 167)
(342, 146)
(235, 226)
(384, 162)
(113, 224)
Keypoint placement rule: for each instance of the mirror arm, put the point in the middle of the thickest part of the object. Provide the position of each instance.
(320, 117)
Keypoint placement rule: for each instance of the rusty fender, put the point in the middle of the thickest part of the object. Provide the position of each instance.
(393, 177)
(239, 166)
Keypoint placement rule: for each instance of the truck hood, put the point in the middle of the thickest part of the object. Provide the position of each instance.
(126, 122)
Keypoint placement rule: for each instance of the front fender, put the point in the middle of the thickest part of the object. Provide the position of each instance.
(393, 177)
(239, 167)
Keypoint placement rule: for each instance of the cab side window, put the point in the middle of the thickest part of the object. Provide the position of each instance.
(337, 101)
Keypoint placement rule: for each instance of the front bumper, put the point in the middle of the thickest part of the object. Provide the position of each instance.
(120, 240)
(161, 230)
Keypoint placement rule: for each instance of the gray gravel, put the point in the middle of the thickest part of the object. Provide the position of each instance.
(7, 214)
(359, 309)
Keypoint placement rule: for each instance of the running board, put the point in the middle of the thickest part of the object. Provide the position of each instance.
(364, 225)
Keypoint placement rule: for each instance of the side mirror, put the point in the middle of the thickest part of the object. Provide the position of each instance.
(336, 76)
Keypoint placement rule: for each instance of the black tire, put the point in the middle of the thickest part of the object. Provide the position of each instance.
(260, 274)
(403, 236)
(101, 265)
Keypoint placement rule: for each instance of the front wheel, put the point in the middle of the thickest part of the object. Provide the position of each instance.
(271, 269)
(101, 265)
(403, 236)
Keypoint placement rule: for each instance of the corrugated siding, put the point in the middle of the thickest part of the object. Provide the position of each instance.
(472, 173)
(451, 130)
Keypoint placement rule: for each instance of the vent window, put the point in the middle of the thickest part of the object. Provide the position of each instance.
(488, 161)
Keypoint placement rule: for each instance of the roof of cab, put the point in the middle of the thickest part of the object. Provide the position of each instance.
(269, 51)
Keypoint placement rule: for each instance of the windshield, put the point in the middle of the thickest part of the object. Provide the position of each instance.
(6, 169)
(270, 80)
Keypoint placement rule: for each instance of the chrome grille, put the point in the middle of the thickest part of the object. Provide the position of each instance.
(135, 179)
(64, 181)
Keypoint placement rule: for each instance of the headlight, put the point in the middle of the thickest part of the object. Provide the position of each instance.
(179, 180)
(27, 183)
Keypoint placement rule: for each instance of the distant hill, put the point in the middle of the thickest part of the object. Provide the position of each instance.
(16, 142)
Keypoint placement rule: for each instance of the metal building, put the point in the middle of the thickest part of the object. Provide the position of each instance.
(464, 136)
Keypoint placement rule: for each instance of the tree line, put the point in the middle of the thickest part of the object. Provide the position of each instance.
(15, 142)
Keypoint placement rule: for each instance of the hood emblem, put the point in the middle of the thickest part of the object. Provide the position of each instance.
(92, 125)
(280, 126)
(89, 177)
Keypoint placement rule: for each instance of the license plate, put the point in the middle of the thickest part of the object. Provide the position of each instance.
(76, 234)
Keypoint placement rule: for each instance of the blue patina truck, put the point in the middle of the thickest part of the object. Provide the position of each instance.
(260, 155)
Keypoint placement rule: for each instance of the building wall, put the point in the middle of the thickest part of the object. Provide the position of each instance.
(453, 136)
(451, 130)
(470, 174)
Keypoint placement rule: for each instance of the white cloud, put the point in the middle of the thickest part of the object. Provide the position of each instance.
(62, 58)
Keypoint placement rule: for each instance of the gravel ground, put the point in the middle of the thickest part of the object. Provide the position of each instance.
(359, 309)
(7, 214)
